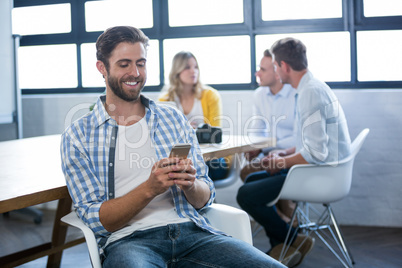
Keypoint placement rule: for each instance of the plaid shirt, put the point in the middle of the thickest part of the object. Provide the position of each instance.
(87, 154)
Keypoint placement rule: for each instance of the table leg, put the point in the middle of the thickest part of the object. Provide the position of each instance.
(59, 232)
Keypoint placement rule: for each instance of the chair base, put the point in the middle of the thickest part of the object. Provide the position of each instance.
(325, 227)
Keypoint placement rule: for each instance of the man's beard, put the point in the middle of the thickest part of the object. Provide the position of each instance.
(115, 86)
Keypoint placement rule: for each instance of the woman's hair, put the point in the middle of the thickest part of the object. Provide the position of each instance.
(292, 51)
(179, 63)
(110, 38)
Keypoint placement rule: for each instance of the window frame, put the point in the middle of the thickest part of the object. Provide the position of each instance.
(352, 21)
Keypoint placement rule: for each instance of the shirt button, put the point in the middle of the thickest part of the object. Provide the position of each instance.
(111, 164)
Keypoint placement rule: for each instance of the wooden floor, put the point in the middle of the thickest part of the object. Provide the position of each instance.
(371, 247)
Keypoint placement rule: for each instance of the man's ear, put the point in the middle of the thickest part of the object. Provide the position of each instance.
(286, 66)
(101, 67)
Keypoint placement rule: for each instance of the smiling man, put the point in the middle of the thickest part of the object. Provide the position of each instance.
(146, 213)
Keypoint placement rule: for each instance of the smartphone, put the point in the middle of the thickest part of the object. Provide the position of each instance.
(180, 150)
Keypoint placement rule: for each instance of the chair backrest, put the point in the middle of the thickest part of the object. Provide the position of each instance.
(322, 183)
(231, 178)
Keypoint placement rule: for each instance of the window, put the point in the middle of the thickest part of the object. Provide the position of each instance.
(375, 8)
(51, 66)
(46, 19)
(296, 9)
(379, 55)
(92, 78)
(222, 60)
(346, 40)
(331, 50)
(100, 15)
(204, 12)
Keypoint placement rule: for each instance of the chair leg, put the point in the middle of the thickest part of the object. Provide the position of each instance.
(302, 212)
(324, 222)
(286, 244)
(348, 255)
(256, 229)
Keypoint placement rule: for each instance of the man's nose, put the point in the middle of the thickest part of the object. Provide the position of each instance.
(135, 72)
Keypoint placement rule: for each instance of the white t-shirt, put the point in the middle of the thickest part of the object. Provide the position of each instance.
(135, 157)
(196, 115)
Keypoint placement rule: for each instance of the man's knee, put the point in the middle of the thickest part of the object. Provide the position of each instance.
(253, 166)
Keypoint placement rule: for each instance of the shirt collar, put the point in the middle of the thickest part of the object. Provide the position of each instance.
(284, 92)
(304, 80)
(102, 115)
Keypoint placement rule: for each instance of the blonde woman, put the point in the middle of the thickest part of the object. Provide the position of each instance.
(198, 102)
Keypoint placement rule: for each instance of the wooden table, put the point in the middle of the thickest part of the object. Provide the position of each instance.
(234, 144)
(31, 174)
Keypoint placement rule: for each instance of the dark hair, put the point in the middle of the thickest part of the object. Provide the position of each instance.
(113, 36)
(292, 51)
(267, 53)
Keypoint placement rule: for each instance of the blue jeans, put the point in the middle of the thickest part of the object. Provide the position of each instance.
(218, 169)
(259, 189)
(183, 245)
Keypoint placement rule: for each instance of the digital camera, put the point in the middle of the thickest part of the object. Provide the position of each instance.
(207, 134)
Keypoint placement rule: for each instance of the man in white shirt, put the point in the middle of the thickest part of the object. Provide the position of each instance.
(322, 136)
(273, 113)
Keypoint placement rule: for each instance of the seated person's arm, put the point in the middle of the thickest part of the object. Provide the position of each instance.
(273, 163)
(116, 213)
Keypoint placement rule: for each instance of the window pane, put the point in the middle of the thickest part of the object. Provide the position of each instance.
(376, 8)
(92, 78)
(222, 60)
(100, 15)
(205, 12)
(53, 66)
(328, 54)
(41, 19)
(300, 9)
(379, 55)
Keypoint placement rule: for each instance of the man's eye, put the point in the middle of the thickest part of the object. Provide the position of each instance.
(123, 65)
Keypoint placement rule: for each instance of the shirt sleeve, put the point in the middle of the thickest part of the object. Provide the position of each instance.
(201, 167)
(86, 190)
(212, 106)
(314, 136)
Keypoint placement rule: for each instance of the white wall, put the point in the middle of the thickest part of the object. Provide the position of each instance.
(375, 198)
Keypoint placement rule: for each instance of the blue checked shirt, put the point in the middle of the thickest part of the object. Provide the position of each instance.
(87, 154)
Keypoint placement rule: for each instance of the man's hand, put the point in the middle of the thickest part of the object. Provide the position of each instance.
(183, 174)
(273, 163)
(170, 171)
(277, 152)
(252, 154)
(180, 172)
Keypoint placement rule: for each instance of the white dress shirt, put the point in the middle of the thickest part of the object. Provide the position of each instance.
(321, 128)
(273, 115)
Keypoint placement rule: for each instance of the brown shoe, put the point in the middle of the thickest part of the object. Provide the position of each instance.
(291, 258)
(304, 244)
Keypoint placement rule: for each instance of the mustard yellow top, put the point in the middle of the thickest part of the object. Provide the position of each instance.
(211, 105)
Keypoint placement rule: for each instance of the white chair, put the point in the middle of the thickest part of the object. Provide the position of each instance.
(230, 220)
(323, 184)
(231, 178)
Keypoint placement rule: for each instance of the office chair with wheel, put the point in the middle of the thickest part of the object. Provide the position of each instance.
(322, 184)
(220, 216)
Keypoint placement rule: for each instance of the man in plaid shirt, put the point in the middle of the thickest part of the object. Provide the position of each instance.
(144, 207)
